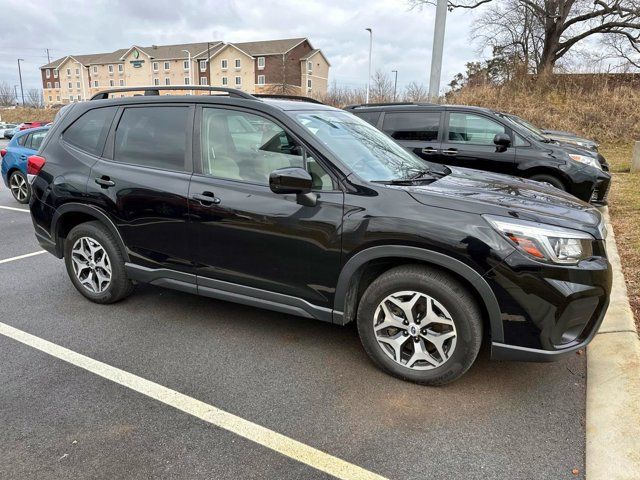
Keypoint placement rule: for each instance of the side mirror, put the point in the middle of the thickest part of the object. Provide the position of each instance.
(502, 140)
(290, 180)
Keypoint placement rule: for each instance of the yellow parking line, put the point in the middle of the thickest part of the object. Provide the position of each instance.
(261, 435)
(19, 257)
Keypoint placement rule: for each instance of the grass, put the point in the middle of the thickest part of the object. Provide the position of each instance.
(624, 209)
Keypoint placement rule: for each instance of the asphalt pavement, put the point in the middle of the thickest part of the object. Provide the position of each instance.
(305, 379)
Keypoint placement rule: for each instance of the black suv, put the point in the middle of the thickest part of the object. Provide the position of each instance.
(484, 139)
(308, 210)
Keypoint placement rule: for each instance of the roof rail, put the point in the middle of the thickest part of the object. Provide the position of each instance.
(155, 90)
(385, 104)
(288, 97)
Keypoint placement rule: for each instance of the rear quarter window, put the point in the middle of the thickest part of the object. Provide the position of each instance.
(89, 131)
(369, 117)
(420, 126)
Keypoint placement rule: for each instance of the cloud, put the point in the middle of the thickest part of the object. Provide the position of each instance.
(402, 37)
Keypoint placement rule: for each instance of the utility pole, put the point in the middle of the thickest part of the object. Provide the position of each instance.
(48, 56)
(395, 84)
(20, 75)
(438, 46)
(15, 90)
(369, 77)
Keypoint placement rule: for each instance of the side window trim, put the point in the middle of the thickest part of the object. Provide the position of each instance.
(198, 168)
(445, 133)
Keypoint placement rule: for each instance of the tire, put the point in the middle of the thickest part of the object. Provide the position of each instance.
(549, 179)
(450, 302)
(84, 256)
(19, 186)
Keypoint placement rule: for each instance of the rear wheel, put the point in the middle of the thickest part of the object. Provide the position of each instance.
(19, 187)
(549, 180)
(420, 324)
(95, 263)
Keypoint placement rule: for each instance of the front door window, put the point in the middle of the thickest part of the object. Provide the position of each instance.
(472, 129)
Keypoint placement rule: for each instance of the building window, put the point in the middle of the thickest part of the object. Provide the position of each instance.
(110, 68)
(95, 83)
(70, 85)
(237, 63)
(120, 67)
(238, 80)
(48, 84)
(203, 65)
(95, 69)
(260, 79)
(203, 81)
(122, 82)
(77, 84)
(111, 83)
(50, 98)
(224, 64)
(68, 72)
(55, 73)
(185, 63)
(56, 85)
(225, 81)
(187, 81)
(71, 98)
(260, 63)
(156, 66)
(167, 65)
(167, 81)
(309, 83)
(77, 71)
(310, 67)
(156, 81)
(58, 98)
(48, 72)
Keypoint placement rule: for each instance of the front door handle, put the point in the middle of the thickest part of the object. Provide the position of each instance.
(450, 151)
(206, 198)
(429, 150)
(105, 182)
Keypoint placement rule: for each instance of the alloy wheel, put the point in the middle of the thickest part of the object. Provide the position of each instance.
(414, 330)
(91, 264)
(19, 187)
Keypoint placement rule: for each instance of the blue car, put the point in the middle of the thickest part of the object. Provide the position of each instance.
(14, 161)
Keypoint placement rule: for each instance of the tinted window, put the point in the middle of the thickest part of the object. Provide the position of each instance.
(243, 146)
(153, 137)
(470, 128)
(422, 126)
(90, 130)
(35, 140)
(370, 117)
(23, 140)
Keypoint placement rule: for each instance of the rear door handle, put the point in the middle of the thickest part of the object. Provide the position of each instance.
(23, 157)
(105, 182)
(429, 150)
(206, 198)
(450, 151)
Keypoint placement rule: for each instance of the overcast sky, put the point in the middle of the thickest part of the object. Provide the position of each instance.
(402, 37)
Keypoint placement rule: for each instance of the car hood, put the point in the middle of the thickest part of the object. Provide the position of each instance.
(491, 193)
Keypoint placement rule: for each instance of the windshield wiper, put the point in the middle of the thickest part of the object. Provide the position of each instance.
(420, 175)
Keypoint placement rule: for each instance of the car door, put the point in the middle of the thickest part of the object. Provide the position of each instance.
(142, 182)
(417, 131)
(23, 149)
(468, 142)
(242, 231)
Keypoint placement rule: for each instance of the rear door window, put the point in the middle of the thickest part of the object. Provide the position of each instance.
(89, 132)
(154, 136)
(419, 126)
(35, 140)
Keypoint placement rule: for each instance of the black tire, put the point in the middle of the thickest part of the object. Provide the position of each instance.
(550, 179)
(120, 286)
(18, 177)
(446, 290)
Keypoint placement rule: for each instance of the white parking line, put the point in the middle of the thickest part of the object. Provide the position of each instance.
(261, 435)
(15, 209)
(19, 257)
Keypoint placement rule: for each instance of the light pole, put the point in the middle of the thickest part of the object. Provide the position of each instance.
(20, 75)
(436, 53)
(369, 77)
(395, 84)
(190, 76)
(15, 92)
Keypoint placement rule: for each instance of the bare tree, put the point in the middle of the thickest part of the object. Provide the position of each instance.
(7, 95)
(381, 88)
(416, 92)
(34, 98)
(542, 32)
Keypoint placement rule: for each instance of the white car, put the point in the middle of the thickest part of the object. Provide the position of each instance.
(6, 128)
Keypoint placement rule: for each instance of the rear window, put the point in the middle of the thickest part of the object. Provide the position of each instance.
(369, 117)
(153, 137)
(421, 126)
(89, 132)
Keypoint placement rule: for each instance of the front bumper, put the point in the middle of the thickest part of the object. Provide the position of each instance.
(600, 194)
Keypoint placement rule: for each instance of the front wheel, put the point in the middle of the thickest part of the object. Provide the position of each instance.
(19, 187)
(420, 324)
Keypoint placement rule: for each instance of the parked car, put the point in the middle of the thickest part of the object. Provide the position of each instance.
(324, 217)
(7, 127)
(10, 133)
(484, 139)
(14, 161)
(28, 125)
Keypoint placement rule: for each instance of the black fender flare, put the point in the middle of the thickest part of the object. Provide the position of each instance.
(91, 210)
(448, 263)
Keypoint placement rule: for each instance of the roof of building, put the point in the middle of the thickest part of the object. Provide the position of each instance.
(312, 53)
(269, 47)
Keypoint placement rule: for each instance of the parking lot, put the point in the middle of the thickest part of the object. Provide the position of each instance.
(304, 379)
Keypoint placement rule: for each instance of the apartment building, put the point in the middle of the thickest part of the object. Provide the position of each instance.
(289, 66)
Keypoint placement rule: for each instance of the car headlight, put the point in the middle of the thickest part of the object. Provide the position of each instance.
(545, 243)
(586, 160)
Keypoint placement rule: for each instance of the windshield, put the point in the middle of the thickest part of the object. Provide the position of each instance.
(532, 130)
(363, 148)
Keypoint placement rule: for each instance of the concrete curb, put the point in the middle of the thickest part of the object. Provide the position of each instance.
(613, 386)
